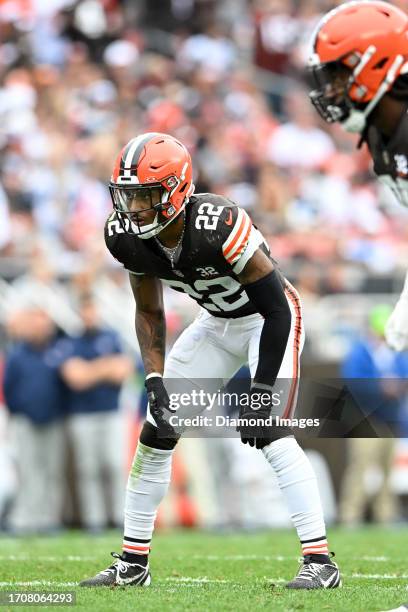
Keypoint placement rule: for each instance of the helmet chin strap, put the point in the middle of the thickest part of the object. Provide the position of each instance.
(151, 230)
(357, 119)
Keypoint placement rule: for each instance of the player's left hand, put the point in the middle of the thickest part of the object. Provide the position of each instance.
(257, 433)
(396, 330)
(254, 435)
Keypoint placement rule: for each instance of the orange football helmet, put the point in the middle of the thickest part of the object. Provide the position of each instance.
(358, 50)
(157, 169)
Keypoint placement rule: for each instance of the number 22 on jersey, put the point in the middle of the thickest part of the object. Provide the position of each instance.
(208, 216)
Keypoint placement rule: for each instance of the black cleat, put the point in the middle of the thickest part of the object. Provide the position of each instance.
(312, 575)
(120, 573)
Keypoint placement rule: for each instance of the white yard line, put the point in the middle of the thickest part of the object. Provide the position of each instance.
(202, 580)
(31, 583)
(242, 558)
(380, 576)
(194, 580)
(52, 558)
(24, 557)
(272, 558)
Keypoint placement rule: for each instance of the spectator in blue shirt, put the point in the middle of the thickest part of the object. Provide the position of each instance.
(381, 372)
(34, 395)
(381, 392)
(94, 370)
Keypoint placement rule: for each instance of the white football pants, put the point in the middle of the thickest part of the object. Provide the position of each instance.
(215, 349)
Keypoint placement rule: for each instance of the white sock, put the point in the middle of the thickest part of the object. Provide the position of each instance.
(148, 482)
(298, 483)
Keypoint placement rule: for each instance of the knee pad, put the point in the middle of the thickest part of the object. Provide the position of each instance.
(149, 437)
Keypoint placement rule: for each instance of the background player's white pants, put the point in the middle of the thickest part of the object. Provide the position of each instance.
(97, 444)
(39, 455)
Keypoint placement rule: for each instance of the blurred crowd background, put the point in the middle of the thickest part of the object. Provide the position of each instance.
(78, 79)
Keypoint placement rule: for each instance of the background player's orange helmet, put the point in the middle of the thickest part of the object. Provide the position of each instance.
(358, 51)
(158, 168)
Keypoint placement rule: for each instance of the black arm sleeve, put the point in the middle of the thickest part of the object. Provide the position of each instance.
(268, 296)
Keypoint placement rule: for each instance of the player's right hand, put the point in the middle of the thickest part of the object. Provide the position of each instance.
(159, 403)
(396, 330)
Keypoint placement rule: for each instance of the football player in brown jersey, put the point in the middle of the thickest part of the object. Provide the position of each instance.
(207, 247)
(359, 68)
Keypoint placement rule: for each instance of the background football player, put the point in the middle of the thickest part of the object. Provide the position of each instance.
(207, 247)
(359, 68)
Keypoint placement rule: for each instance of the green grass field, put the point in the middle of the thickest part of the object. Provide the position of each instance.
(203, 571)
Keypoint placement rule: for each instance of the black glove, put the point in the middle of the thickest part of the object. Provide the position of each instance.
(259, 432)
(159, 403)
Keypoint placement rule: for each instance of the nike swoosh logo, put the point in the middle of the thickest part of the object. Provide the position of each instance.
(139, 577)
(229, 220)
(328, 582)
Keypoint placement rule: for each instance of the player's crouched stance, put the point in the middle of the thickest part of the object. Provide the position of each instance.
(207, 247)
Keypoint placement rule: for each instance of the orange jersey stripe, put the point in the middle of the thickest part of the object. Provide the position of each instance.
(292, 296)
(231, 246)
(243, 242)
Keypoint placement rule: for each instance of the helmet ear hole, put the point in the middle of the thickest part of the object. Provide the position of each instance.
(381, 63)
(352, 60)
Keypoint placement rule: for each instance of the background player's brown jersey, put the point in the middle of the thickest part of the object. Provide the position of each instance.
(390, 157)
